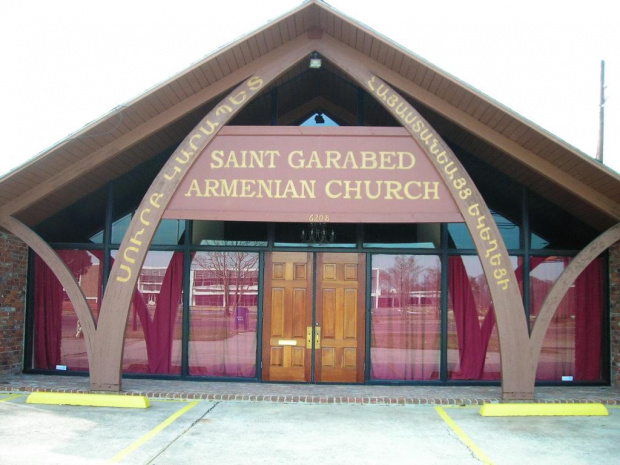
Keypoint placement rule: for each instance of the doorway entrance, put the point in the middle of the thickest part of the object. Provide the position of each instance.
(314, 317)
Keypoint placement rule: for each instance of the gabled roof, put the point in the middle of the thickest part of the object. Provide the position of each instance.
(160, 118)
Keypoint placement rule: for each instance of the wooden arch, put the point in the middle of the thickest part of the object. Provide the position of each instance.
(106, 364)
(517, 370)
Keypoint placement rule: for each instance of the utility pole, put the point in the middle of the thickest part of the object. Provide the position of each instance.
(601, 126)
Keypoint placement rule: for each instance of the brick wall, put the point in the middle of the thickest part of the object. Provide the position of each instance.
(614, 308)
(13, 265)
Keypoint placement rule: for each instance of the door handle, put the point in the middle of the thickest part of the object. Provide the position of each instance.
(309, 337)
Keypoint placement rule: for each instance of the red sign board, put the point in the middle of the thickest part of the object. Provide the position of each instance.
(312, 174)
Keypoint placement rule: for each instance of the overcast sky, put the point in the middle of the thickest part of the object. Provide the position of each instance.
(67, 63)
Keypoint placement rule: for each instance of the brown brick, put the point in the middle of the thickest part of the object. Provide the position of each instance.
(13, 266)
(614, 308)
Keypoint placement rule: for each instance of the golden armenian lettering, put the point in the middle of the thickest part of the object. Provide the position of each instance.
(448, 169)
(150, 212)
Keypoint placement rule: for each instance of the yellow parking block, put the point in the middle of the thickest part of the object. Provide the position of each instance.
(533, 409)
(87, 399)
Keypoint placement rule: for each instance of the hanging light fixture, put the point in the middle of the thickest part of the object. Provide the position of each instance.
(318, 119)
(315, 60)
(318, 233)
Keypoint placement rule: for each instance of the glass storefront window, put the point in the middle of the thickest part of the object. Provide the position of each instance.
(169, 232)
(319, 119)
(394, 235)
(97, 238)
(58, 337)
(460, 238)
(511, 232)
(223, 314)
(154, 327)
(405, 321)
(229, 233)
(473, 343)
(405, 298)
(572, 345)
(549, 225)
(119, 228)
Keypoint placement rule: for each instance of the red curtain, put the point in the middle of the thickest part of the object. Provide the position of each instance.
(572, 344)
(588, 322)
(159, 330)
(473, 339)
(58, 339)
(48, 298)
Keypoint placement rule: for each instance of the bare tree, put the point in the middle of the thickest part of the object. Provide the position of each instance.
(403, 278)
(233, 272)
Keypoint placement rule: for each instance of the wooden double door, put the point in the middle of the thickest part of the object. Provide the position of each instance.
(314, 317)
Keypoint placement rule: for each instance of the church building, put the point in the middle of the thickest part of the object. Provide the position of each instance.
(313, 204)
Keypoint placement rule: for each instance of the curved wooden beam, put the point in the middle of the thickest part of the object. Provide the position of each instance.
(106, 363)
(518, 373)
(564, 282)
(62, 273)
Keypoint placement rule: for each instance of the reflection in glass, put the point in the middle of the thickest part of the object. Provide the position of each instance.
(119, 227)
(169, 232)
(235, 233)
(460, 238)
(394, 235)
(572, 346)
(473, 344)
(405, 303)
(58, 336)
(511, 233)
(319, 119)
(154, 328)
(223, 314)
(97, 238)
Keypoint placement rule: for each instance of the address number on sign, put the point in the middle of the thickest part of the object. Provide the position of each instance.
(318, 218)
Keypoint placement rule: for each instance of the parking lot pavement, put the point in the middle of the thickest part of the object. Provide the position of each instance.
(543, 440)
(254, 433)
(57, 434)
(188, 432)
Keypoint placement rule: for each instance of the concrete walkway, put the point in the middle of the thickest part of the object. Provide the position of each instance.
(309, 393)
